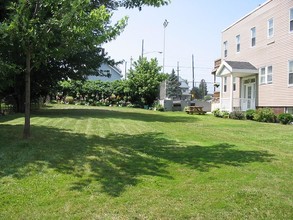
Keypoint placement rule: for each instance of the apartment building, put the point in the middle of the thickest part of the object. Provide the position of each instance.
(256, 67)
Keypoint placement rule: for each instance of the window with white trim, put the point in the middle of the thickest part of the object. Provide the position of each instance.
(291, 20)
(270, 28)
(253, 36)
(266, 75)
(269, 74)
(238, 43)
(225, 84)
(225, 49)
(291, 72)
(262, 75)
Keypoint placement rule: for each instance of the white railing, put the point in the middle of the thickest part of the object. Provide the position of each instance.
(240, 104)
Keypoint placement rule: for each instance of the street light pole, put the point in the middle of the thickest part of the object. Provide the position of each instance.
(165, 24)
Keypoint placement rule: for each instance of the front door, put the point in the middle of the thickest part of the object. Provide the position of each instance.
(249, 96)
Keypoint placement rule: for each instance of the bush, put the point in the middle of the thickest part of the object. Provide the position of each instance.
(237, 115)
(217, 113)
(220, 114)
(285, 118)
(264, 115)
(69, 100)
(249, 114)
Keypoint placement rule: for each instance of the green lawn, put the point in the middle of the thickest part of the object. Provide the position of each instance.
(120, 163)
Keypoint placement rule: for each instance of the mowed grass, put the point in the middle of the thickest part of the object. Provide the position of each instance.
(120, 163)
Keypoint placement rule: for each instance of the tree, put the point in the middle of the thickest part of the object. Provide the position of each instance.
(144, 80)
(203, 91)
(56, 34)
(173, 85)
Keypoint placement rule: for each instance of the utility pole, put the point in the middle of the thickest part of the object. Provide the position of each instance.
(142, 48)
(125, 70)
(192, 71)
(178, 70)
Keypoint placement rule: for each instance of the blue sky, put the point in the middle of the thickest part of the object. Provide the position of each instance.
(194, 28)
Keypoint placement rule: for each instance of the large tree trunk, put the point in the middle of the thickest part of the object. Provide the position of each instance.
(26, 130)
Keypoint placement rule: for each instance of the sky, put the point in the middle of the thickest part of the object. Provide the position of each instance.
(194, 28)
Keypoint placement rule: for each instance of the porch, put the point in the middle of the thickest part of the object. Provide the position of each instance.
(238, 104)
(239, 86)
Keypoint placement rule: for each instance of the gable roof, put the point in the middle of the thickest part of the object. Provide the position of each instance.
(237, 68)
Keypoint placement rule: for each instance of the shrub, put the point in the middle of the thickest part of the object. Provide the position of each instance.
(264, 115)
(249, 114)
(217, 113)
(285, 118)
(69, 100)
(220, 114)
(225, 114)
(237, 115)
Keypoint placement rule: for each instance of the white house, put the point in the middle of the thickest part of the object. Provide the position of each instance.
(107, 73)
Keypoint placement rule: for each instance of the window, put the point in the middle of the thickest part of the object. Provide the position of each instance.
(253, 36)
(238, 43)
(291, 72)
(105, 73)
(234, 83)
(225, 84)
(289, 110)
(291, 20)
(266, 75)
(269, 74)
(270, 28)
(225, 49)
(262, 75)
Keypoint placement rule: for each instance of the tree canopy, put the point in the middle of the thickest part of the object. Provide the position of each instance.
(45, 41)
(144, 80)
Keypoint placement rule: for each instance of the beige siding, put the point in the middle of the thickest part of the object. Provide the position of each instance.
(274, 52)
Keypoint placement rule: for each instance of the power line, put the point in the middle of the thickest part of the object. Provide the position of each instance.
(190, 67)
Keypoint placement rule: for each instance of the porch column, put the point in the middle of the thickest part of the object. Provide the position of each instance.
(221, 93)
(231, 93)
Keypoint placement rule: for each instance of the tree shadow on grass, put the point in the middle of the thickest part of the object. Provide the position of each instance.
(113, 162)
(95, 112)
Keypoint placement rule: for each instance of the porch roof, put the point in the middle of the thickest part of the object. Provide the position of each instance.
(237, 68)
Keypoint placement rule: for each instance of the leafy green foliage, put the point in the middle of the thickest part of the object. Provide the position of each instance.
(144, 80)
(264, 115)
(220, 114)
(237, 115)
(249, 114)
(285, 118)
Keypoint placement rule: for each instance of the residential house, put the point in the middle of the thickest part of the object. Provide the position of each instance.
(256, 69)
(184, 89)
(107, 73)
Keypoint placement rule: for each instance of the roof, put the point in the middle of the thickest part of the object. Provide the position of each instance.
(241, 65)
(260, 6)
(237, 68)
(183, 82)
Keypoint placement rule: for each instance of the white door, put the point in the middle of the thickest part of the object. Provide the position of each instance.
(249, 99)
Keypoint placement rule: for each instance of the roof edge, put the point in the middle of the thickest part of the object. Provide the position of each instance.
(245, 16)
